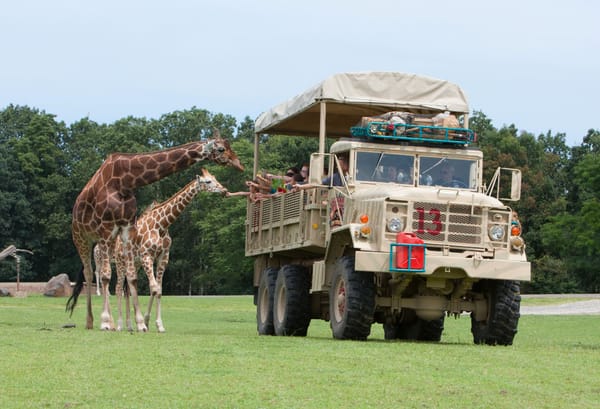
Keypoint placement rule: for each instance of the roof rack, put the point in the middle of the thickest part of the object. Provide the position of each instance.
(414, 133)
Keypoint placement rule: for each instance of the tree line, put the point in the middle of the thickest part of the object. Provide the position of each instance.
(45, 163)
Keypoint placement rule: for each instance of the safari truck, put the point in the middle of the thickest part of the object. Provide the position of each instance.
(404, 235)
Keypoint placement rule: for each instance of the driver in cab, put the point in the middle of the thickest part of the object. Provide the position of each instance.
(446, 177)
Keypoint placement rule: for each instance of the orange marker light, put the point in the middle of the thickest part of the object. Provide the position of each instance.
(364, 218)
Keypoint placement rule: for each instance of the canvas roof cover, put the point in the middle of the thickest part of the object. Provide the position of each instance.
(350, 96)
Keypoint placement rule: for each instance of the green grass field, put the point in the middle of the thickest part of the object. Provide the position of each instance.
(211, 357)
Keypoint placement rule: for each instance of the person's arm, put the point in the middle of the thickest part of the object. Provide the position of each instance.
(242, 193)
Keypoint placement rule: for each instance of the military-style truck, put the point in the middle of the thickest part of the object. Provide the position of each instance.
(404, 233)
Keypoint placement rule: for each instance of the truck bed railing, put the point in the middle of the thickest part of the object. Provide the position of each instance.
(285, 221)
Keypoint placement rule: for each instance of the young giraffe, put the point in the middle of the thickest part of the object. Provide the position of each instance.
(153, 242)
(106, 208)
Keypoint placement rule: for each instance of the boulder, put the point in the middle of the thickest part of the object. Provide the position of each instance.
(58, 286)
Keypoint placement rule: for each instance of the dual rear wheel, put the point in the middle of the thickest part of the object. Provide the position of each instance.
(283, 305)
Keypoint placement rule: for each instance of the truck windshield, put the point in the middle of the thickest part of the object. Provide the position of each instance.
(442, 171)
(384, 167)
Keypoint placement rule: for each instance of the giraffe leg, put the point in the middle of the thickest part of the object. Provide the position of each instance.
(160, 270)
(84, 248)
(159, 324)
(148, 264)
(97, 273)
(87, 273)
(106, 322)
(128, 313)
(120, 264)
(132, 284)
(149, 311)
(97, 262)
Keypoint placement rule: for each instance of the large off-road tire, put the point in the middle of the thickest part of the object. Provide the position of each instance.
(411, 327)
(504, 302)
(431, 330)
(264, 302)
(291, 303)
(351, 301)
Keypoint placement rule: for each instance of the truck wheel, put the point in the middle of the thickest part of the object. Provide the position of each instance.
(351, 301)
(264, 304)
(504, 301)
(291, 304)
(431, 330)
(414, 328)
(402, 326)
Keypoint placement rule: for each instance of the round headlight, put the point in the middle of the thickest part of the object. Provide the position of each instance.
(395, 225)
(496, 232)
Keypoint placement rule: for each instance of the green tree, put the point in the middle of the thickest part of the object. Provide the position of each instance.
(33, 169)
(573, 234)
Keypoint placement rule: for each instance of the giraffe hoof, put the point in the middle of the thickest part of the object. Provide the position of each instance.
(159, 326)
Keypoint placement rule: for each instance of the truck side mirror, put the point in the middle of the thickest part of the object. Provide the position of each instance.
(505, 184)
(515, 185)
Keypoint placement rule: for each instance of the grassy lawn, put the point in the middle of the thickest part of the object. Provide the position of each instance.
(211, 357)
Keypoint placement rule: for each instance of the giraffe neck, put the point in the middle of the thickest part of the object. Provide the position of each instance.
(146, 168)
(168, 211)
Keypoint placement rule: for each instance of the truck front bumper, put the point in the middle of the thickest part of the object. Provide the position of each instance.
(474, 267)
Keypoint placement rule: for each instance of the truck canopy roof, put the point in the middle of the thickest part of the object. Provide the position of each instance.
(350, 96)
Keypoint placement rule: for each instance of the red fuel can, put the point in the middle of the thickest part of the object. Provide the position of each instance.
(413, 250)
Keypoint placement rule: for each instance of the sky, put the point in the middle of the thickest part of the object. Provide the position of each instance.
(534, 64)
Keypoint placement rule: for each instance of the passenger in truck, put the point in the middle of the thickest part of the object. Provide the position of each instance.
(336, 179)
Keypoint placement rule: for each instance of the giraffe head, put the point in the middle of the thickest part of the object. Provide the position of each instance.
(208, 183)
(219, 151)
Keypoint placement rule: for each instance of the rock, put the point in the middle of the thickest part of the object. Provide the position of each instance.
(4, 292)
(58, 286)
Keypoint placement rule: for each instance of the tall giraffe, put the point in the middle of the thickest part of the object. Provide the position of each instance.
(106, 208)
(152, 242)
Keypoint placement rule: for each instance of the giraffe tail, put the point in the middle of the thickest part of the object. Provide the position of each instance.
(72, 301)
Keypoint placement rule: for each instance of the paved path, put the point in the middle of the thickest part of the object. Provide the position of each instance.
(585, 307)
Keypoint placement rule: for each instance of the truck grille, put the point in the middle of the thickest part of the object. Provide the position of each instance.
(448, 223)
